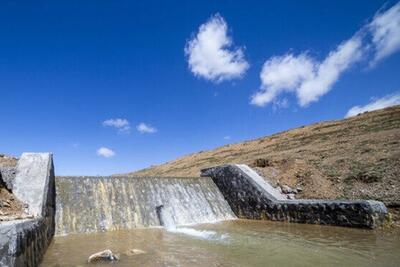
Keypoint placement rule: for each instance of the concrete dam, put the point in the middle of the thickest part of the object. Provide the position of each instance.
(73, 205)
(94, 204)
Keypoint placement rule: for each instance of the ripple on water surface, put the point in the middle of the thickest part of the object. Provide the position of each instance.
(234, 243)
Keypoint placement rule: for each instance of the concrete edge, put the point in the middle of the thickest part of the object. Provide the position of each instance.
(24, 242)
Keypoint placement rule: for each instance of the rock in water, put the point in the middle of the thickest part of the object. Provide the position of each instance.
(103, 256)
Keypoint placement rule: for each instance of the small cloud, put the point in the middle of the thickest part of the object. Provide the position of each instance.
(105, 152)
(122, 125)
(227, 137)
(384, 102)
(385, 30)
(145, 128)
(210, 55)
(75, 145)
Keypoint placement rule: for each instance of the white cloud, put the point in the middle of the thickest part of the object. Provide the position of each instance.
(307, 77)
(145, 128)
(227, 137)
(280, 104)
(310, 79)
(282, 74)
(384, 102)
(385, 30)
(210, 54)
(328, 72)
(105, 152)
(122, 125)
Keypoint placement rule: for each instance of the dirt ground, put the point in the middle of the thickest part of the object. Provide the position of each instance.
(10, 207)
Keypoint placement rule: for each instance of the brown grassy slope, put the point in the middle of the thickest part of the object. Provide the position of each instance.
(352, 158)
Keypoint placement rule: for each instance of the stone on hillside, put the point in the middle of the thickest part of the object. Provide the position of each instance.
(288, 190)
(262, 163)
(103, 256)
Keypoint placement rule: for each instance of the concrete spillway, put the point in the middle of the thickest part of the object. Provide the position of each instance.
(251, 197)
(92, 204)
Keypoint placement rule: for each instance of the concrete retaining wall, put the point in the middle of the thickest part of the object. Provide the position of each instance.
(7, 175)
(96, 204)
(250, 197)
(24, 242)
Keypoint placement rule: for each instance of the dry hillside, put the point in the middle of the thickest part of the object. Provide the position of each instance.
(354, 158)
(7, 161)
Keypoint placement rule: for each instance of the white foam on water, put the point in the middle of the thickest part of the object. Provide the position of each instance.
(200, 234)
(170, 226)
(203, 234)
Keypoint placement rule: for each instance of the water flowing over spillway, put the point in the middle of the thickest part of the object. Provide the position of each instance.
(93, 204)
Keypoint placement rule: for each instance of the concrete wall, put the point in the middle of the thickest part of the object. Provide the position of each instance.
(7, 175)
(96, 204)
(24, 242)
(250, 197)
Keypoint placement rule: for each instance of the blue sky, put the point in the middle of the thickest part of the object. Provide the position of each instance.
(182, 76)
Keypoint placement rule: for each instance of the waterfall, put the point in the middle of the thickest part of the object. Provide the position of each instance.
(167, 221)
(93, 204)
(165, 218)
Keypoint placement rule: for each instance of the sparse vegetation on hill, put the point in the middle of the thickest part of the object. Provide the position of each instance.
(354, 158)
(7, 161)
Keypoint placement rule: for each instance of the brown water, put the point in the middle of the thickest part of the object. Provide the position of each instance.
(234, 243)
